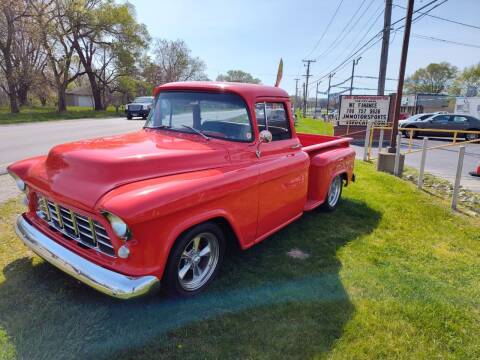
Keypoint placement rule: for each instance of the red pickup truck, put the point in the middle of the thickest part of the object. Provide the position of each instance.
(215, 164)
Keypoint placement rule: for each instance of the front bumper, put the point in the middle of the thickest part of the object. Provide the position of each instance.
(99, 278)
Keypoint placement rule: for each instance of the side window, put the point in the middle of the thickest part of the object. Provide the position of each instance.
(441, 119)
(273, 117)
(460, 119)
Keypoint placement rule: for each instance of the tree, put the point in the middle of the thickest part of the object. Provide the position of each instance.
(468, 81)
(11, 12)
(107, 39)
(173, 62)
(238, 76)
(56, 38)
(434, 79)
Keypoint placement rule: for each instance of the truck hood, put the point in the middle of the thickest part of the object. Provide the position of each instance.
(83, 171)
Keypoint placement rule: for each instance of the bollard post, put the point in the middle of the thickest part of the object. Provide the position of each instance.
(367, 141)
(380, 141)
(396, 168)
(422, 162)
(458, 176)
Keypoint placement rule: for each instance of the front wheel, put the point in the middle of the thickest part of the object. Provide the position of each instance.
(129, 117)
(334, 194)
(195, 260)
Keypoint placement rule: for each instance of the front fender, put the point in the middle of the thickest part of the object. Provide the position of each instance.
(159, 210)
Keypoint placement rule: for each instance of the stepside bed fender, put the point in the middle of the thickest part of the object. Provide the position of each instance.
(324, 166)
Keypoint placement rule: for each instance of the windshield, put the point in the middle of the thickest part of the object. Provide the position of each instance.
(222, 116)
(143, 99)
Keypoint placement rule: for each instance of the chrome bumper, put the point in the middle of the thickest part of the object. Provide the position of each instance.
(101, 279)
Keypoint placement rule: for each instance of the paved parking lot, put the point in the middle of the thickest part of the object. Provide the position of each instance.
(441, 162)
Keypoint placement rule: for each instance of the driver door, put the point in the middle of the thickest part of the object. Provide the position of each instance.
(283, 168)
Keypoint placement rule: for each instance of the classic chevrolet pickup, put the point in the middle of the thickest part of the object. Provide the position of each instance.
(215, 164)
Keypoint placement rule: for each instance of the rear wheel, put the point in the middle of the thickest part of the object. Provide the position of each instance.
(470, 137)
(194, 260)
(334, 194)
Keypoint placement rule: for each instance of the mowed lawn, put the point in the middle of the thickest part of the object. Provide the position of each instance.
(315, 126)
(48, 113)
(393, 273)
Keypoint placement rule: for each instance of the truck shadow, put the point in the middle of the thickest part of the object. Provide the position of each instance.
(263, 301)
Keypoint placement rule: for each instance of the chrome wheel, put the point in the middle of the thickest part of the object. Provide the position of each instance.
(198, 261)
(470, 137)
(334, 191)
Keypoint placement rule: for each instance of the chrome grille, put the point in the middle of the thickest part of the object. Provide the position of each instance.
(82, 229)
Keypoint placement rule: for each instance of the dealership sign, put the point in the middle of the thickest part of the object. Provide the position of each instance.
(361, 109)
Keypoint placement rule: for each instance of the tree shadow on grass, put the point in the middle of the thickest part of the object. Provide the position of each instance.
(264, 303)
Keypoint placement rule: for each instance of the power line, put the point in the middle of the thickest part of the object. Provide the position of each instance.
(326, 29)
(366, 46)
(343, 33)
(427, 37)
(444, 19)
(372, 77)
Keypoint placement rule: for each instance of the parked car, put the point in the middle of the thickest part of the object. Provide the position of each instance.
(443, 122)
(420, 117)
(208, 171)
(139, 107)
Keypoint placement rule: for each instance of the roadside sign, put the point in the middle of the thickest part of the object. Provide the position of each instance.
(363, 109)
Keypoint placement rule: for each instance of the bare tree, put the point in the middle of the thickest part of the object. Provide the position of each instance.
(11, 12)
(173, 62)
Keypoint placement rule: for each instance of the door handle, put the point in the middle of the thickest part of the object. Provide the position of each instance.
(295, 146)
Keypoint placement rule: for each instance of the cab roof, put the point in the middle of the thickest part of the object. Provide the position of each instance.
(247, 91)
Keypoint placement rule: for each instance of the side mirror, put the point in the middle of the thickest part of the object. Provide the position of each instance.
(265, 136)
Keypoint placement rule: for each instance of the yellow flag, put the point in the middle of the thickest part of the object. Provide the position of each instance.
(279, 73)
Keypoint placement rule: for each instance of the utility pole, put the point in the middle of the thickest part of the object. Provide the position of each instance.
(316, 100)
(328, 91)
(385, 43)
(296, 93)
(354, 63)
(401, 76)
(304, 96)
(307, 76)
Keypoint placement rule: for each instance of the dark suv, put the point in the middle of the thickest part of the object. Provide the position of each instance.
(443, 122)
(139, 107)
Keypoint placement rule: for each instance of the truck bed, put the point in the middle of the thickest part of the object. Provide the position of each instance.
(311, 143)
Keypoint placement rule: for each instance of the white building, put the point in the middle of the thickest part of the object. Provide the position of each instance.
(468, 106)
(81, 96)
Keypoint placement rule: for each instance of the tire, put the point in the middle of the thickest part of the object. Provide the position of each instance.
(180, 277)
(334, 194)
(144, 117)
(129, 117)
(470, 137)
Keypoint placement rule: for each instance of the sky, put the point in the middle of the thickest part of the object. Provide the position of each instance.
(253, 35)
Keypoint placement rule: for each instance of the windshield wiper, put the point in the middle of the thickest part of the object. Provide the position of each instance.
(157, 127)
(197, 131)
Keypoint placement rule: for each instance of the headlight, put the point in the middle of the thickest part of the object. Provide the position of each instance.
(118, 226)
(20, 183)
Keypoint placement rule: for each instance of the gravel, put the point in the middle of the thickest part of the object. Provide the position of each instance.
(8, 189)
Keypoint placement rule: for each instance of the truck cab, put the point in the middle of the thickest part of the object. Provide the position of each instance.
(216, 164)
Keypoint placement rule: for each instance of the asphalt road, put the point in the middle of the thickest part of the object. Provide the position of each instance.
(25, 140)
(442, 162)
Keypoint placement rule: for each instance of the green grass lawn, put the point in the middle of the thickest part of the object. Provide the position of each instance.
(393, 273)
(32, 114)
(316, 126)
